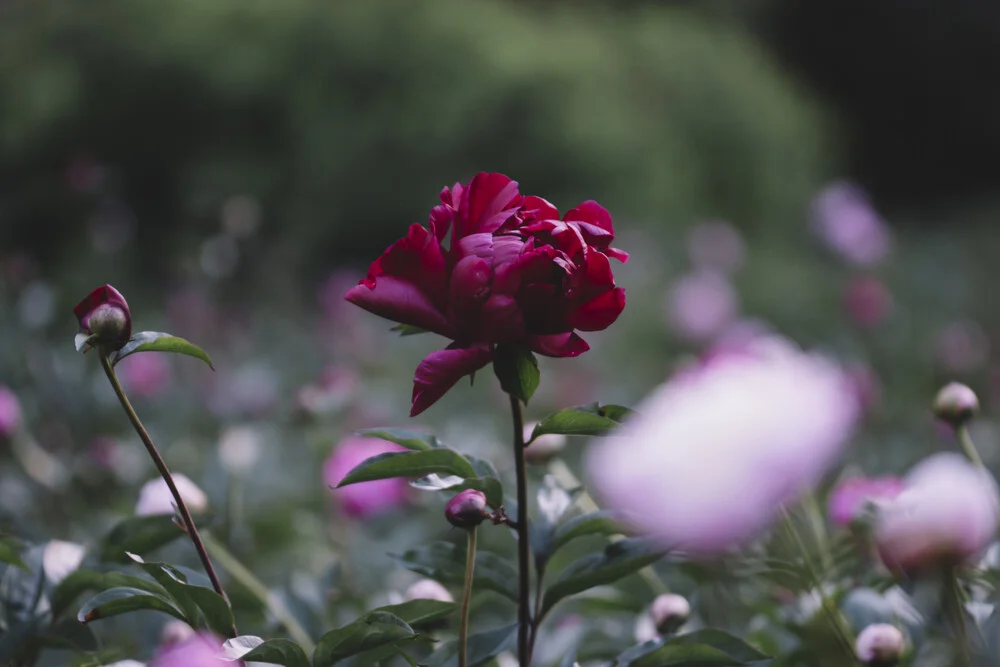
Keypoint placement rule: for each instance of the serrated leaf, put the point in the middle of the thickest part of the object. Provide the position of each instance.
(517, 370)
(409, 464)
(593, 420)
(408, 330)
(273, 651)
(115, 601)
(420, 612)
(445, 562)
(372, 630)
(404, 437)
(482, 646)
(157, 341)
(618, 560)
(142, 534)
(77, 583)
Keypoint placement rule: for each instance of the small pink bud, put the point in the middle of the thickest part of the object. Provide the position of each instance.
(880, 645)
(105, 314)
(669, 612)
(467, 509)
(956, 404)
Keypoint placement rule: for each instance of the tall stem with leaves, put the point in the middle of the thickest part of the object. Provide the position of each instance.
(463, 627)
(523, 545)
(161, 466)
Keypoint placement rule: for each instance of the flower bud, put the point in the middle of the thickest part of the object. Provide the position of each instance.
(105, 315)
(155, 497)
(428, 589)
(956, 404)
(880, 645)
(467, 509)
(669, 612)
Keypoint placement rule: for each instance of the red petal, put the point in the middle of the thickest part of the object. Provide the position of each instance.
(439, 371)
(559, 345)
(598, 314)
(400, 301)
(595, 214)
(105, 294)
(484, 208)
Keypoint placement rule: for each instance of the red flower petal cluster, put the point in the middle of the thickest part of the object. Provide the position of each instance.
(514, 272)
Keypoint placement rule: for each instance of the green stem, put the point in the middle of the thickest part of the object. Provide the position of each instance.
(536, 618)
(161, 465)
(523, 547)
(463, 627)
(954, 608)
(818, 527)
(840, 628)
(969, 447)
(248, 580)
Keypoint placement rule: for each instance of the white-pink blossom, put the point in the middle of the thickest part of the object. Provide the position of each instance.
(155, 496)
(715, 452)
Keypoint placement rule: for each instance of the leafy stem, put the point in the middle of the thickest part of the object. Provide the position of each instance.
(161, 465)
(463, 628)
(523, 547)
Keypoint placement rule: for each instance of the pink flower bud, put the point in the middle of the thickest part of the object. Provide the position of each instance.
(467, 509)
(880, 645)
(105, 314)
(669, 612)
(956, 404)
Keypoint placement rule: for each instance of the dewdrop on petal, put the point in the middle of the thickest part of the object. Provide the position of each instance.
(880, 645)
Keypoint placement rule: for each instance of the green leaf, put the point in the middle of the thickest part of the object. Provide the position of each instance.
(115, 601)
(618, 560)
(190, 599)
(273, 651)
(10, 551)
(404, 437)
(156, 341)
(603, 522)
(417, 613)
(445, 562)
(703, 648)
(408, 330)
(69, 633)
(591, 419)
(517, 370)
(79, 582)
(372, 630)
(482, 646)
(140, 535)
(409, 464)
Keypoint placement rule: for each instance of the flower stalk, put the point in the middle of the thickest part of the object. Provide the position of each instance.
(463, 628)
(161, 466)
(523, 546)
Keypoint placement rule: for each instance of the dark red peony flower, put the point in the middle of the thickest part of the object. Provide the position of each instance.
(515, 273)
(105, 314)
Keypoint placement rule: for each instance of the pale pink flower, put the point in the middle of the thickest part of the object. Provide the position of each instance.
(844, 219)
(880, 644)
(850, 497)
(714, 453)
(10, 413)
(200, 650)
(427, 589)
(155, 496)
(700, 305)
(145, 374)
(947, 514)
(366, 498)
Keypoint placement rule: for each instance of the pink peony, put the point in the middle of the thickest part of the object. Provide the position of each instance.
(849, 498)
(701, 305)
(200, 650)
(367, 498)
(947, 514)
(715, 452)
(10, 413)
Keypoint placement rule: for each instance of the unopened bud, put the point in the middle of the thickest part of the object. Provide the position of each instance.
(108, 322)
(880, 645)
(467, 509)
(105, 315)
(669, 612)
(428, 589)
(956, 404)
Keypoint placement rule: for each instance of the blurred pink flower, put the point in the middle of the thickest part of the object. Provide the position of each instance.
(367, 498)
(200, 650)
(155, 496)
(700, 305)
(716, 245)
(962, 347)
(10, 413)
(849, 498)
(716, 451)
(947, 514)
(145, 374)
(867, 301)
(335, 388)
(844, 219)
(867, 385)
